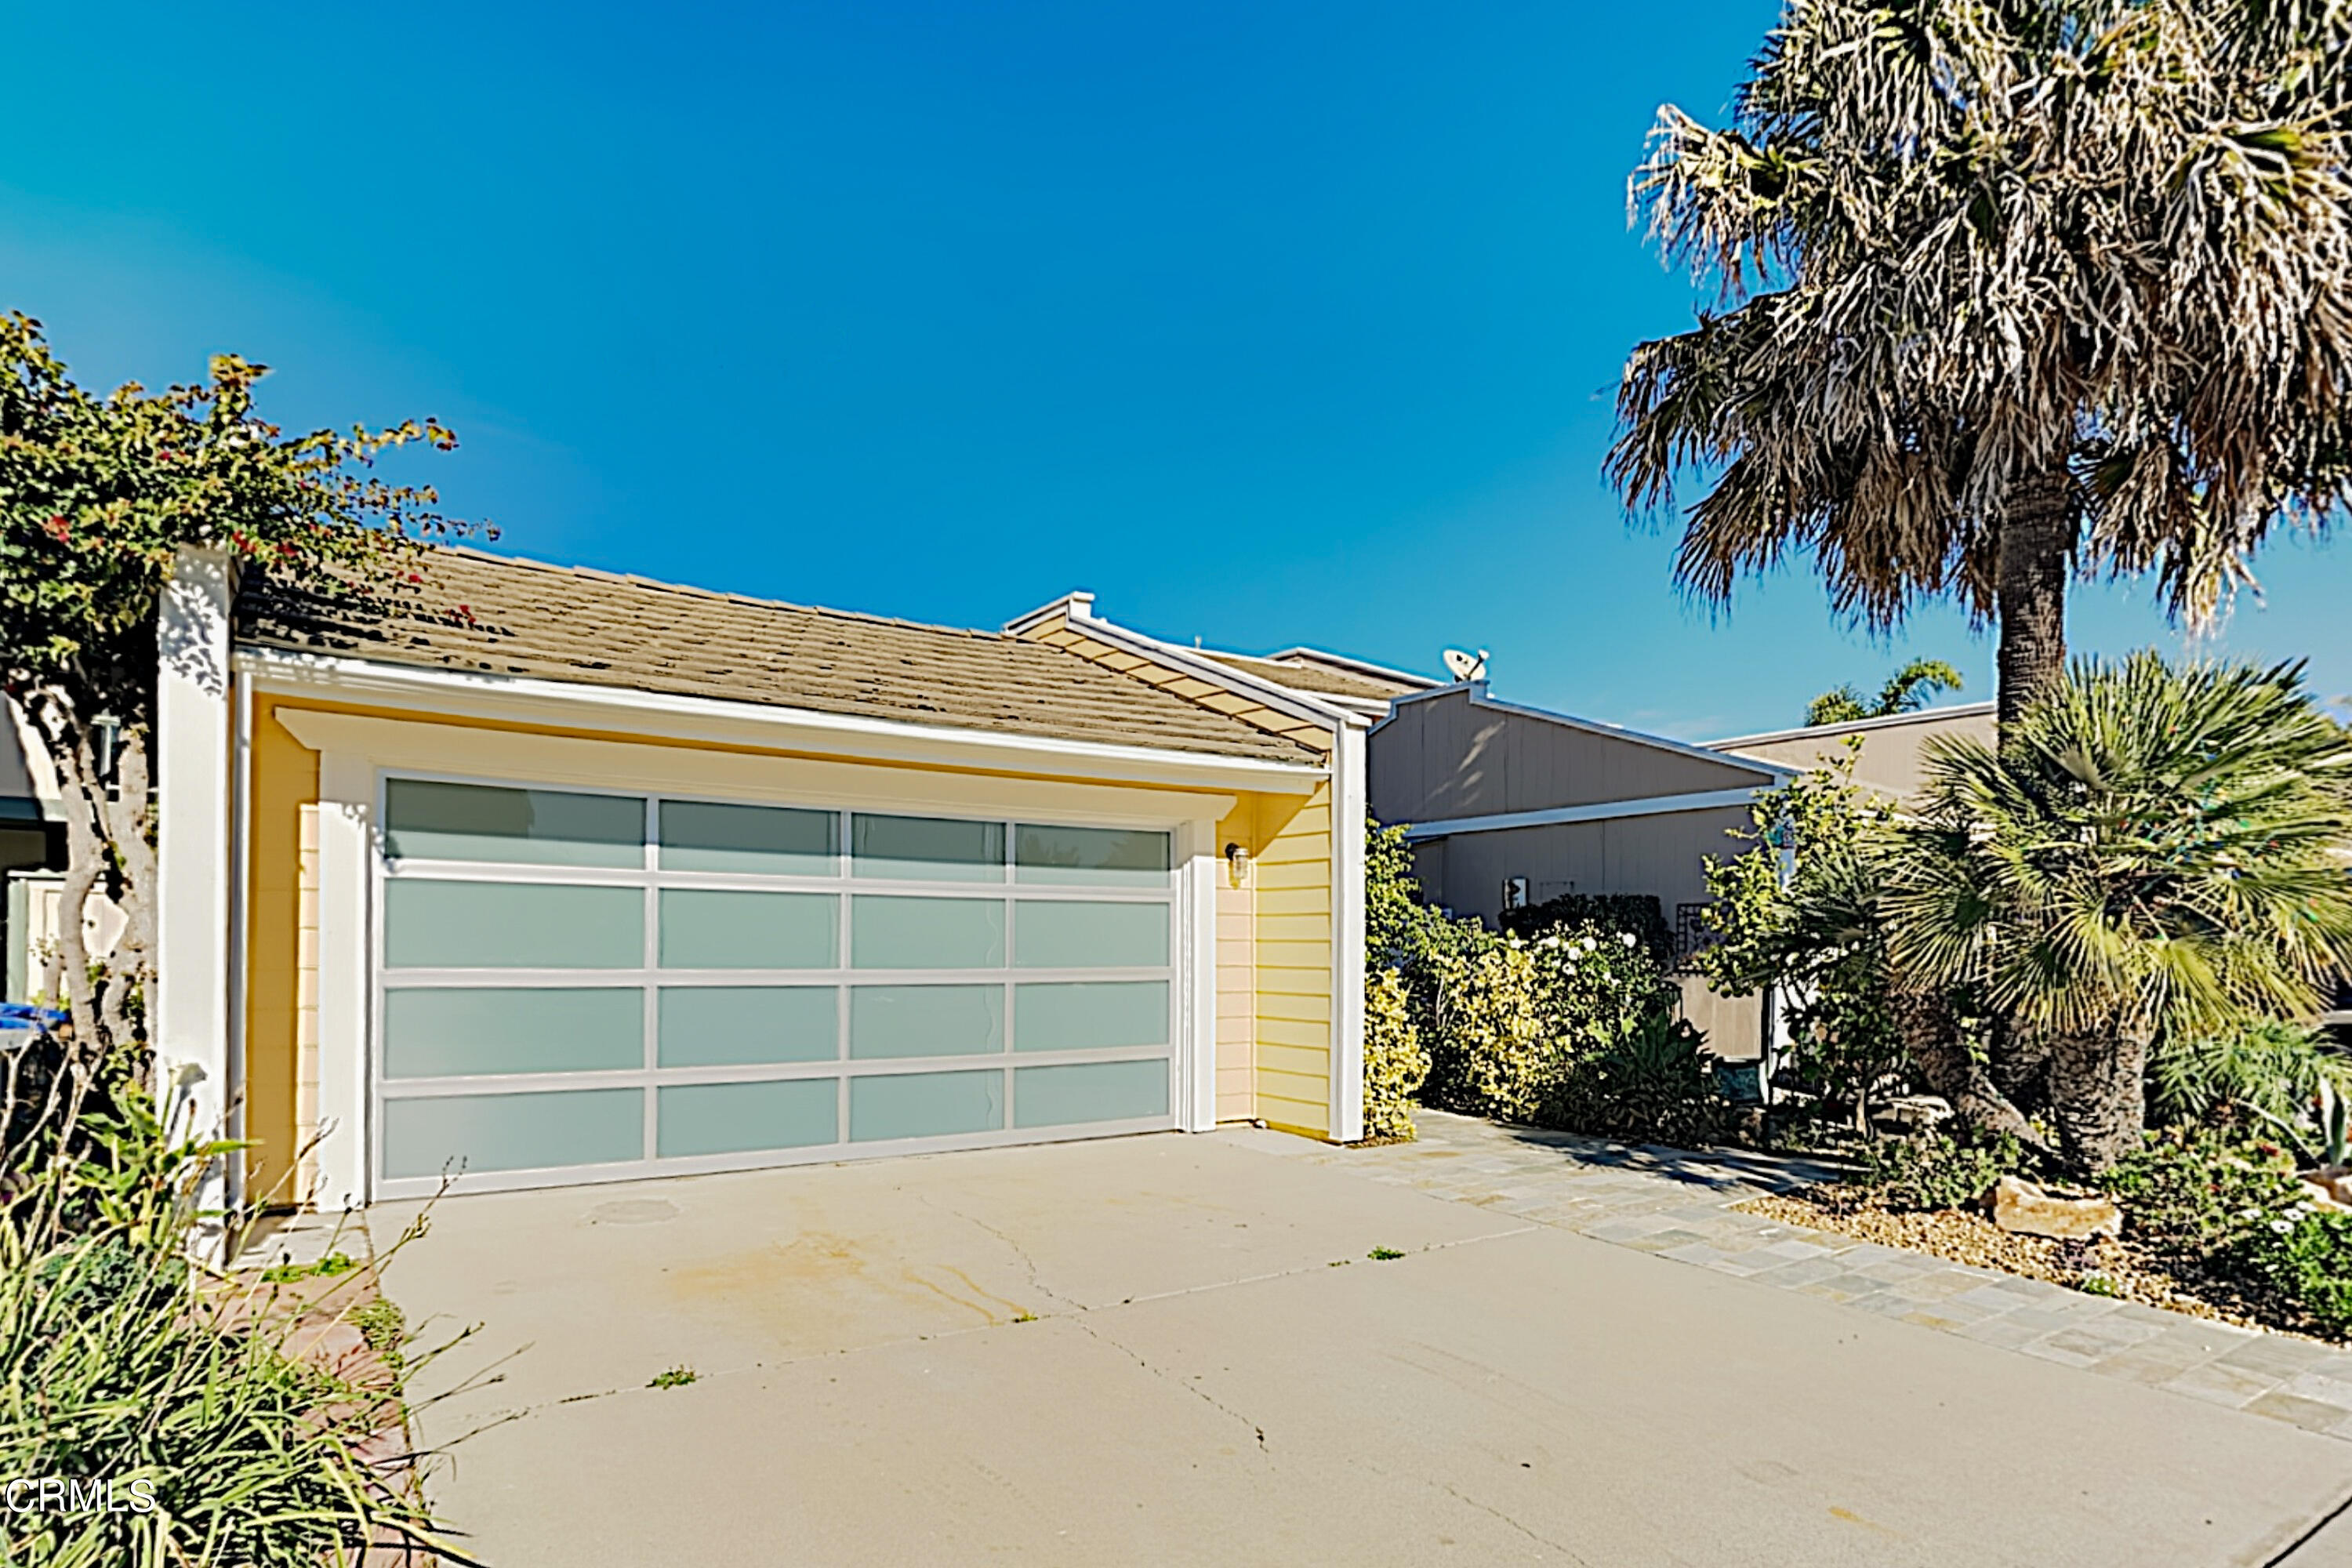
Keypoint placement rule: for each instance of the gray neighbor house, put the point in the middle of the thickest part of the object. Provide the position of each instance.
(1506, 805)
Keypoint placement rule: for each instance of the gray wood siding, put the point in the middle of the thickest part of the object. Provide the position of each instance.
(1442, 757)
(1661, 856)
(1892, 748)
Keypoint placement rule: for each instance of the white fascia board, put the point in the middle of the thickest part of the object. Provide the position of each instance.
(1073, 604)
(1599, 811)
(629, 710)
(1281, 699)
(1714, 753)
(1858, 726)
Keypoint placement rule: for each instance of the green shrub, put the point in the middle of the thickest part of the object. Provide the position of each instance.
(2270, 1069)
(1503, 1047)
(1653, 1084)
(2199, 1194)
(1606, 983)
(2306, 1255)
(1396, 1063)
(120, 1362)
(1934, 1170)
(1637, 915)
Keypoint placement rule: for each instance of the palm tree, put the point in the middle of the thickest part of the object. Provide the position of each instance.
(2154, 853)
(1905, 691)
(2009, 294)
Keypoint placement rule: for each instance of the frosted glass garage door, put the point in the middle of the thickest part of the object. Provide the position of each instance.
(578, 985)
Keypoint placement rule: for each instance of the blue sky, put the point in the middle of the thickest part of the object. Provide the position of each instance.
(1268, 323)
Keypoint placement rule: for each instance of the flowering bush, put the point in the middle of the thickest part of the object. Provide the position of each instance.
(1608, 982)
(2306, 1253)
(1395, 1060)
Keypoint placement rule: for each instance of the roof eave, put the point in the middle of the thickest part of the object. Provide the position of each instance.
(670, 716)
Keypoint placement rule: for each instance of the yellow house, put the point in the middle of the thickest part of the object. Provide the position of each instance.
(517, 875)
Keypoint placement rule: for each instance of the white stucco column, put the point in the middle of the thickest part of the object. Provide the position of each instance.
(195, 1060)
(1348, 808)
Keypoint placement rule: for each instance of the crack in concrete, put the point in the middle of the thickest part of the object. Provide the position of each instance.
(1194, 1389)
(1460, 1495)
(1018, 1250)
(1073, 1311)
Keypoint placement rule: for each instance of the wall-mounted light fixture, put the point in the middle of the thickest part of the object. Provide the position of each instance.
(1237, 862)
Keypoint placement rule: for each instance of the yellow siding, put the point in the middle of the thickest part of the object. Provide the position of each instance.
(285, 782)
(1293, 1023)
(1237, 973)
(1273, 960)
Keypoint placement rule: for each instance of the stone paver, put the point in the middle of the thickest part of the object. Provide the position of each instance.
(1677, 1205)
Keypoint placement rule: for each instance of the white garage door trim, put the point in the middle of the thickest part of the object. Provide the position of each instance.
(357, 752)
(841, 897)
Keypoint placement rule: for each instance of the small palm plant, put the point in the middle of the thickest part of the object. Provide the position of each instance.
(2155, 852)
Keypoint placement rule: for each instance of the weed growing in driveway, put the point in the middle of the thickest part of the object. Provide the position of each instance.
(326, 1268)
(1025, 1317)
(1383, 1254)
(383, 1326)
(676, 1377)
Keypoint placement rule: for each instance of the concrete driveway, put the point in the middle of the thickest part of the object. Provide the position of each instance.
(1175, 1350)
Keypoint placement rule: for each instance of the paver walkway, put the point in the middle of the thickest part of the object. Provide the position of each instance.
(1677, 1205)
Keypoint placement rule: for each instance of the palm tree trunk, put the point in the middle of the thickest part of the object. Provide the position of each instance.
(2035, 554)
(2099, 1095)
(1926, 1026)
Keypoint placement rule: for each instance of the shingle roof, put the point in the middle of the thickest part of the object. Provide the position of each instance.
(1315, 677)
(493, 615)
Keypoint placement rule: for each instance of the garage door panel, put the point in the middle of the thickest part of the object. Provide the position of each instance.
(1090, 1014)
(927, 848)
(891, 1021)
(748, 984)
(1091, 857)
(741, 1025)
(748, 840)
(546, 1131)
(1089, 1091)
(926, 933)
(707, 928)
(1074, 934)
(512, 925)
(925, 1105)
(470, 1030)
(429, 819)
(702, 1119)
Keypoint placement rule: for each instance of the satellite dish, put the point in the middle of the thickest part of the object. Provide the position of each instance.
(1466, 666)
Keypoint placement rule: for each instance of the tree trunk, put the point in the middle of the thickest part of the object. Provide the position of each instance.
(109, 855)
(2019, 1067)
(2034, 555)
(2099, 1096)
(1944, 1059)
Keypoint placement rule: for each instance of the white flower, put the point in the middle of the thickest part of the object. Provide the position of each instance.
(1626, 937)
